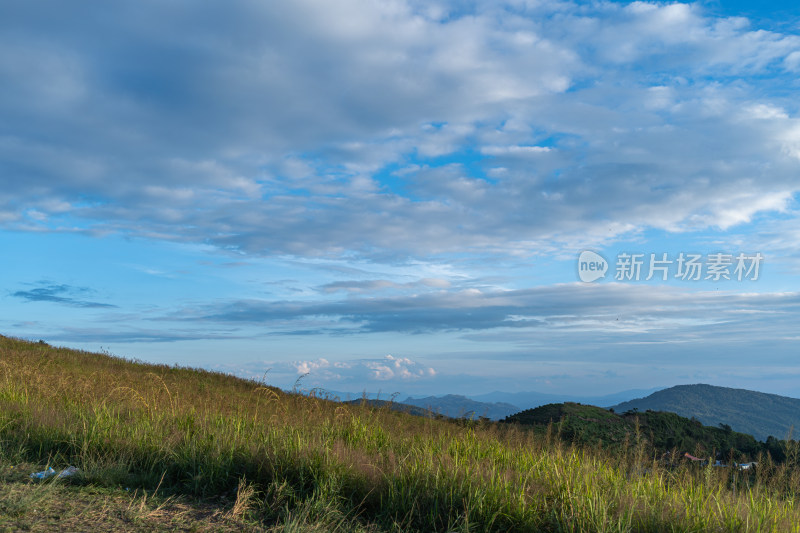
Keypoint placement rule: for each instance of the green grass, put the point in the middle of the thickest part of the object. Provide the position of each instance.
(269, 460)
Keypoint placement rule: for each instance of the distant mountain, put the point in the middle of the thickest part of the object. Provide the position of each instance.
(457, 406)
(531, 399)
(498, 404)
(755, 413)
(612, 399)
(524, 400)
(395, 406)
(663, 431)
(343, 396)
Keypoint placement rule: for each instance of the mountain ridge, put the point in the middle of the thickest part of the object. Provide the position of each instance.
(459, 406)
(494, 405)
(663, 432)
(531, 399)
(756, 413)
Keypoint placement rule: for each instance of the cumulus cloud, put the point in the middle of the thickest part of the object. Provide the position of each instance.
(283, 128)
(306, 367)
(361, 372)
(398, 367)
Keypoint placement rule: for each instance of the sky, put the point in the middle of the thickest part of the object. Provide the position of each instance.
(394, 195)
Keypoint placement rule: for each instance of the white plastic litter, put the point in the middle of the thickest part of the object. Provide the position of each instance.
(69, 471)
(50, 472)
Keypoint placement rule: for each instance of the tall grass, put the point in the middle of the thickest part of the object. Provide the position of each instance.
(306, 463)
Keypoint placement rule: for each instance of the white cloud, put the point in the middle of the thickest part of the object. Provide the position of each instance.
(503, 150)
(388, 368)
(271, 128)
(306, 367)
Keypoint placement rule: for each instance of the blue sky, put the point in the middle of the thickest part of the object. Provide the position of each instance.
(393, 195)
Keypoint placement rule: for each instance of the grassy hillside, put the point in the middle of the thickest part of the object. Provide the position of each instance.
(250, 457)
(755, 413)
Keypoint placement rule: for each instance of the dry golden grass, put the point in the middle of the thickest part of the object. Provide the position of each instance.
(295, 463)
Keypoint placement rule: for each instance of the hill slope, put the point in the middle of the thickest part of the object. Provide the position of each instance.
(291, 462)
(754, 413)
